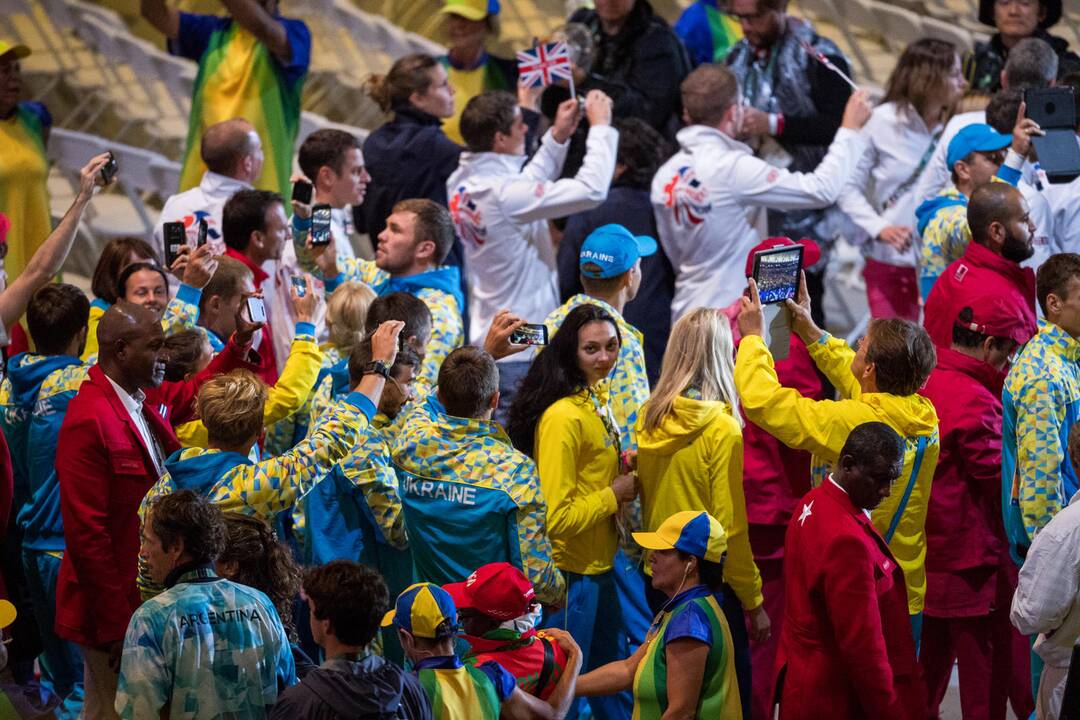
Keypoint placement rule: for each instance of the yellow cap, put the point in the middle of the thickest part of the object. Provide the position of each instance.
(20, 51)
(471, 9)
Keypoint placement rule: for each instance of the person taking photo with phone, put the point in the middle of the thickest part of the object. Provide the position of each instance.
(878, 382)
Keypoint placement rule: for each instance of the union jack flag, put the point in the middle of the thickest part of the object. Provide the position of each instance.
(543, 63)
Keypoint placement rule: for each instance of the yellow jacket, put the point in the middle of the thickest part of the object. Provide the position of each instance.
(822, 427)
(694, 461)
(288, 395)
(577, 461)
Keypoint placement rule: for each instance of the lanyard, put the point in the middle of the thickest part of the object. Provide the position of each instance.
(603, 411)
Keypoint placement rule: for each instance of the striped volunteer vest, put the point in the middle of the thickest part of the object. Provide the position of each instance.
(719, 695)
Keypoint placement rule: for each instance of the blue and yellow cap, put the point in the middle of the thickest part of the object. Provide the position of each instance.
(471, 9)
(695, 533)
(421, 609)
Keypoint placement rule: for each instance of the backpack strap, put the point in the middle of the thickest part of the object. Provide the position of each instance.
(548, 667)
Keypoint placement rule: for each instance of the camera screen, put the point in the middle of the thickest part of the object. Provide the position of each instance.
(777, 274)
(529, 335)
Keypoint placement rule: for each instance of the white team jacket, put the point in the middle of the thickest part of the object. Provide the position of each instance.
(709, 200)
(501, 212)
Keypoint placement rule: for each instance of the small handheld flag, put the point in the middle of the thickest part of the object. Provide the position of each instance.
(821, 58)
(542, 64)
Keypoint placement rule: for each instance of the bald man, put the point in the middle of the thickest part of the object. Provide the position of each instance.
(233, 154)
(1002, 237)
(110, 452)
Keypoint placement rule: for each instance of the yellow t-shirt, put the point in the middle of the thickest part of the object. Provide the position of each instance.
(24, 197)
(467, 84)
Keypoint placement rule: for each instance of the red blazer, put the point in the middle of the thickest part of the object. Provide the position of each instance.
(104, 470)
(846, 649)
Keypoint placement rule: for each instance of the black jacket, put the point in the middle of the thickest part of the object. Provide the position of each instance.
(369, 689)
(641, 68)
(408, 157)
(983, 66)
(650, 311)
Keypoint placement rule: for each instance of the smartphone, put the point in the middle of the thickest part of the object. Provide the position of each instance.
(203, 227)
(256, 309)
(300, 284)
(530, 335)
(1055, 111)
(108, 170)
(175, 238)
(301, 192)
(320, 225)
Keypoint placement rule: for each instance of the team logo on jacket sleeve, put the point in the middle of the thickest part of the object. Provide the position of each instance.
(687, 197)
(467, 218)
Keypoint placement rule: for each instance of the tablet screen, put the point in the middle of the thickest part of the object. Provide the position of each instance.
(776, 273)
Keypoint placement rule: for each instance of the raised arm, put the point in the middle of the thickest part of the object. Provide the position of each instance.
(166, 19)
(46, 262)
(253, 18)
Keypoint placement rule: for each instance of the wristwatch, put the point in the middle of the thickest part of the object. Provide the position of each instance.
(377, 367)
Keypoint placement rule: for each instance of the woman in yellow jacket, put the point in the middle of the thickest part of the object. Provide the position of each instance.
(562, 419)
(690, 457)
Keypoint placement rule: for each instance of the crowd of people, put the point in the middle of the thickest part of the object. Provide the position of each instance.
(494, 421)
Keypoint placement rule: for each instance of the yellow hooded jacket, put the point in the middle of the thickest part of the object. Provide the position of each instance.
(822, 427)
(694, 461)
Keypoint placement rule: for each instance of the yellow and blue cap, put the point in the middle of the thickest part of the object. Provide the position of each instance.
(7, 614)
(694, 532)
(421, 609)
(613, 249)
(471, 9)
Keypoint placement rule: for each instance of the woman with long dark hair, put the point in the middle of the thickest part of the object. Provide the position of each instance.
(561, 418)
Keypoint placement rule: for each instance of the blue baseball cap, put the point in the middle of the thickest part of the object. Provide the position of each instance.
(421, 609)
(979, 137)
(614, 249)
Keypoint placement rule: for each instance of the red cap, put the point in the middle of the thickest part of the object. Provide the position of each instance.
(993, 316)
(5, 225)
(811, 252)
(498, 590)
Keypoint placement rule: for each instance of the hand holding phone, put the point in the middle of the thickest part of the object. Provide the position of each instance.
(203, 229)
(302, 191)
(320, 225)
(256, 309)
(175, 237)
(300, 285)
(108, 170)
(530, 335)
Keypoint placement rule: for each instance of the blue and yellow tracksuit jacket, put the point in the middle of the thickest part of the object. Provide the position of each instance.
(470, 498)
(1041, 402)
(35, 396)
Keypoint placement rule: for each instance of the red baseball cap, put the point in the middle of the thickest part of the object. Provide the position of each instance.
(992, 315)
(498, 590)
(811, 252)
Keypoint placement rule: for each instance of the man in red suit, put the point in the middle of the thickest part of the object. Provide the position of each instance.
(846, 649)
(112, 444)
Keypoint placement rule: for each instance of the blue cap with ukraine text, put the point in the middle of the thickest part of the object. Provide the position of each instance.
(614, 249)
(421, 609)
(979, 137)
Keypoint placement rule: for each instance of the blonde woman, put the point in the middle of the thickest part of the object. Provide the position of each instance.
(690, 457)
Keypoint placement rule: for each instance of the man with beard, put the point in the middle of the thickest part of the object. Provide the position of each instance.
(1041, 403)
(1002, 237)
(111, 449)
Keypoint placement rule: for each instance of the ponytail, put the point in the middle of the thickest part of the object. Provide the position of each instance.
(407, 75)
